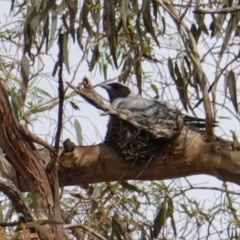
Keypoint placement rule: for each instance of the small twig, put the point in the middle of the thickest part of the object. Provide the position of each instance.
(217, 11)
(87, 229)
(10, 224)
(60, 91)
(36, 139)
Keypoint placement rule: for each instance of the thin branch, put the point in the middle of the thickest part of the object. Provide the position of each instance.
(8, 188)
(10, 224)
(60, 91)
(217, 11)
(87, 229)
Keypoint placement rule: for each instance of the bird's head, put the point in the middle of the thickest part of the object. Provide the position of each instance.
(116, 90)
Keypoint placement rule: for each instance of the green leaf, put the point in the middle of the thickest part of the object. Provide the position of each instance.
(138, 74)
(155, 89)
(200, 21)
(96, 192)
(232, 87)
(74, 105)
(232, 25)
(53, 29)
(155, 9)
(129, 186)
(83, 18)
(170, 208)
(79, 36)
(124, 12)
(173, 226)
(147, 20)
(159, 219)
(95, 57)
(181, 87)
(78, 130)
(170, 68)
(42, 230)
(50, 4)
(41, 91)
(65, 51)
(117, 229)
(216, 24)
(184, 207)
(72, 10)
(196, 32)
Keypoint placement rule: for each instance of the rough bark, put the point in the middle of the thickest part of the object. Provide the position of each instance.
(27, 162)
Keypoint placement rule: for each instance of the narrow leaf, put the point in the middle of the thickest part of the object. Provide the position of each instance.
(41, 91)
(78, 130)
(53, 28)
(181, 87)
(170, 68)
(117, 229)
(196, 32)
(74, 105)
(124, 12)
(65, 51)
(200, 21)
(138, 74)
(95, 57)
(147, 20)
(42, 230)
(173, 226)
(96, 192)
(159, 219)
(155, 89)
(231, 84)
(129, 186)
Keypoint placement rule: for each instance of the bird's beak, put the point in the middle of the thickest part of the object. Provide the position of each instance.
(105, 86)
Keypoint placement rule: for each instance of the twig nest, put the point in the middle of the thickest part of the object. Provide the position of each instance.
(137, 145)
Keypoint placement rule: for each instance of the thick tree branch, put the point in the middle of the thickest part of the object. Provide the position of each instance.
(188, 155)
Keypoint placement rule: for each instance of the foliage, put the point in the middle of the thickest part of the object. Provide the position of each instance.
(159, 47)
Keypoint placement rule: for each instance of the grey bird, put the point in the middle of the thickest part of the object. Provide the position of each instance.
(121, 97)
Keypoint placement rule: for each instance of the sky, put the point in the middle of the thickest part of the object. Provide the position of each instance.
(94, 126)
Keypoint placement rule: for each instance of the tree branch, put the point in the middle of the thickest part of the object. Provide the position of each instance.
(189, 155)
(217, 11)
(8, 188)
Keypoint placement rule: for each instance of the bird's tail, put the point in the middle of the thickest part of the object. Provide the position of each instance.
(196, 122)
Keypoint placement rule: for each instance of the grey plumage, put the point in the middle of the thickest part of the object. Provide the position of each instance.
(121, 97)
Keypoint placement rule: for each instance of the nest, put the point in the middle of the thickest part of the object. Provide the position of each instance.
(131, 143)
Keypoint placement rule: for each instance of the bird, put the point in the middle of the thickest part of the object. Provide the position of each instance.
(121, 97)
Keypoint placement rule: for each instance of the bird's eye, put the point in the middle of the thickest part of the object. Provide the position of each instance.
(119, 87)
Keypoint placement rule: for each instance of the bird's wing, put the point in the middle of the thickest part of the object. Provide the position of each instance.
(147, 108)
